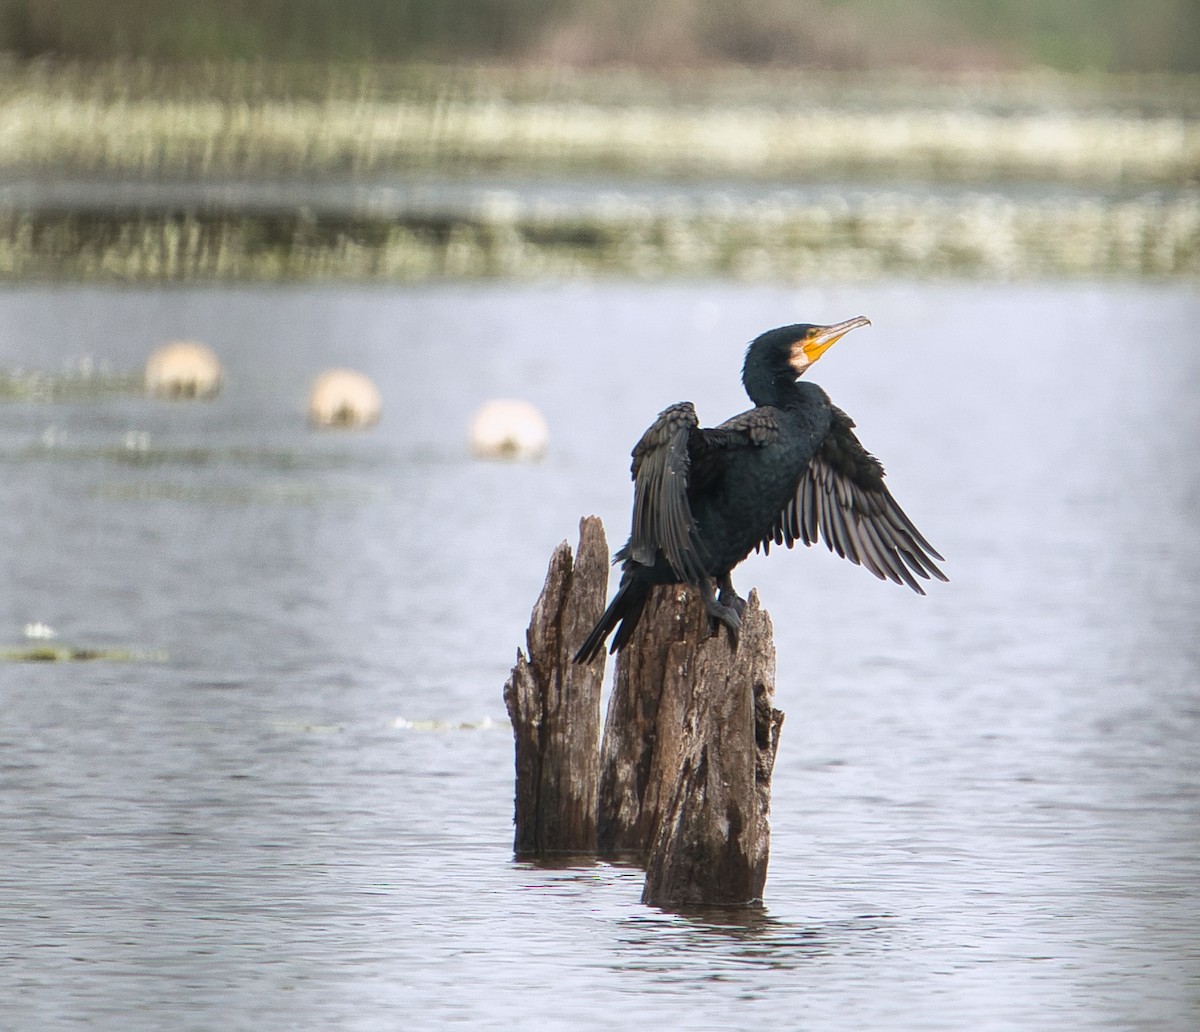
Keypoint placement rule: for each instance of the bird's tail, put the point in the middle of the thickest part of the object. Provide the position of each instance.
(626, 607)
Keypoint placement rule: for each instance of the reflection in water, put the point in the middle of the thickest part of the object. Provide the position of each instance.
(725, 941)
(986, 802)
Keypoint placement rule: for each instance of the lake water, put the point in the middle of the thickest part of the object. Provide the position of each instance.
(292, 807)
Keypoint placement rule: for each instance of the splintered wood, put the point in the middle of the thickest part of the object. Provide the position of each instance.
(682, 783)
(554, 705)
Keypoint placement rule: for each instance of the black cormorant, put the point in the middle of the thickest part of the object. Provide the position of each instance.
(790, 469)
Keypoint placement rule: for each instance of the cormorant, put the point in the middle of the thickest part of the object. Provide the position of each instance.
(790, 469)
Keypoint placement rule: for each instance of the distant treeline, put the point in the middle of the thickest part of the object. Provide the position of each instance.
(1072, 35)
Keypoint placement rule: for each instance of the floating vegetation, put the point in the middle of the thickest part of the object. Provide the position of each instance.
(303, 727)
(229, 494)
(782, 236)
(76, 385)
(138, 448)
(486, 724)
(46, 653)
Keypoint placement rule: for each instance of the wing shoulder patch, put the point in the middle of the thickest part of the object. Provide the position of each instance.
(758, 426)
(671, 421)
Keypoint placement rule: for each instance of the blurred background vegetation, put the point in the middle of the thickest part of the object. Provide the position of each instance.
(783, 139)
(1069, 35)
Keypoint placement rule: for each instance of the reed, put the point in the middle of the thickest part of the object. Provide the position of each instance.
(205, 138)
(853, 235)
(1004, 178)
(138, 120)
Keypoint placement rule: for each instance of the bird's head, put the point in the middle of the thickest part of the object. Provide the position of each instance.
(786, 353)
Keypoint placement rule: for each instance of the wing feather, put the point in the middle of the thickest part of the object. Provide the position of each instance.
(674, 459)
(662, 517)
(842, 500)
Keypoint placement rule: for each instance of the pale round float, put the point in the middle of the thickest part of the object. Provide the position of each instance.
(508, 428)
(183, 369)
(344, 399)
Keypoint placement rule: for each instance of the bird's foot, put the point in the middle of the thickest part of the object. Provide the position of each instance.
(720, 613)
(733, 600)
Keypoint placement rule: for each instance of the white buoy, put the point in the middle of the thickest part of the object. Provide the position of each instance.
(507, 428)
(183, 369)
(345, 399)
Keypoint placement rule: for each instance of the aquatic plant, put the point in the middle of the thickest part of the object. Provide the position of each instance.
(1002, 177)
(77, 384)
(200, 137)
(46, 653)
(784, 236)
(240, 119)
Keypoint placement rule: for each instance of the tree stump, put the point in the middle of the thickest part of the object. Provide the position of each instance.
(554, 705)
(716, 732)
(682, 783)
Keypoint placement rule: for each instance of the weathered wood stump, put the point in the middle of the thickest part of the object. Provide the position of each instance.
(688, 754)
(684, 774)
(554, 705)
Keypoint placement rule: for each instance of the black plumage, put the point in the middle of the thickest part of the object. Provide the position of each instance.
(790, 469)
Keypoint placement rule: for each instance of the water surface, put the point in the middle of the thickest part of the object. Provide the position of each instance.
(294, 809)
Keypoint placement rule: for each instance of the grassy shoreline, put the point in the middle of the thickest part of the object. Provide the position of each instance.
(1129, 149)
(64, 123)
(871, 235)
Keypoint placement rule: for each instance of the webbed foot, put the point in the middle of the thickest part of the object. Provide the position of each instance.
(732, 600)
(720, 613)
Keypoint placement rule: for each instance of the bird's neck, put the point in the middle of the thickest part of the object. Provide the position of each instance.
(777, 389)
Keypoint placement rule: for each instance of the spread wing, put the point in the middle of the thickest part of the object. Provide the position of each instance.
(842, 499)
(662, 517)
(674, 458)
